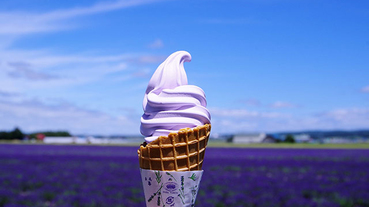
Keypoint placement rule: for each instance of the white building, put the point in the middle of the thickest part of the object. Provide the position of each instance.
(302, 138)
(252, 138)
(63, 140)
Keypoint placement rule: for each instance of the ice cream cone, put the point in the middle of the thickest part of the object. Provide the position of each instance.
(171, 165)
(181, 151)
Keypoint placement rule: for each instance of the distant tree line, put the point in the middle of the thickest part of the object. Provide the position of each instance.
(15, 134)
(336, 133)
(288, 139)
(51, 134)
(18, 134)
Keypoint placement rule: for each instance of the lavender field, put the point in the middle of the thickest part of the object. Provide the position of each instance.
(51, 175)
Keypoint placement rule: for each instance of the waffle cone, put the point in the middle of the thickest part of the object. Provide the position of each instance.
(180, 151)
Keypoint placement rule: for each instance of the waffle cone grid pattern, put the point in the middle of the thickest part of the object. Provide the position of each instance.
(181, 151)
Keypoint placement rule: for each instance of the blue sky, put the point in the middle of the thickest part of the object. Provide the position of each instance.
(265, 65)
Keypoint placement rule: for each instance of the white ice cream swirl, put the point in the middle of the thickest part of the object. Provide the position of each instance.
(169, 103)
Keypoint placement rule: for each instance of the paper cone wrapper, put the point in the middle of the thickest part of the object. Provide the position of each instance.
(170, 188)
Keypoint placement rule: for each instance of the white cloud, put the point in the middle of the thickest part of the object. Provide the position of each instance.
(282, 104)
(7, 94)
(243, 113)
(241, 120)
(365, 89)
(22, 70)
(45, 75)
(20, 23)
(145, 59)
(33, 115)
(46, 58)
(156, 44)
(233, 112)
(275, 105)
(27, 69)
(252, 102)
(351, 117)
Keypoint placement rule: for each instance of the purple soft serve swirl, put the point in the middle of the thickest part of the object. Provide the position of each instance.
(169, 103)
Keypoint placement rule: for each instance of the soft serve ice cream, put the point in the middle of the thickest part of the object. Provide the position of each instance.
(176, 126)
(170, 104)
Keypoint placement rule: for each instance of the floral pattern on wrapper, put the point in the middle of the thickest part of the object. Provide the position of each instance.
(171, 188)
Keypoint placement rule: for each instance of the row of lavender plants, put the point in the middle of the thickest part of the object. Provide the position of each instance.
(52, 175)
